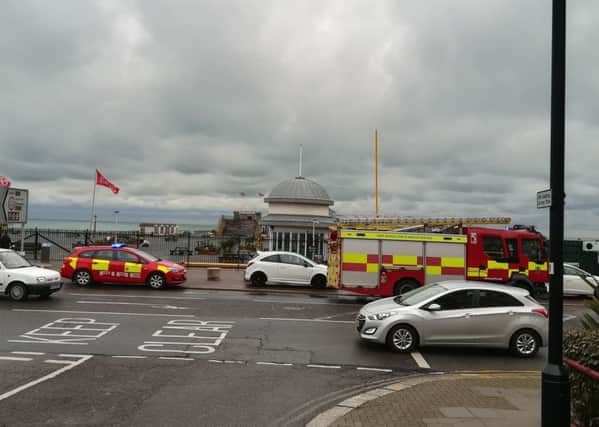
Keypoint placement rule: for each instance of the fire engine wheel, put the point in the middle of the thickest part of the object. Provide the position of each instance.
(258, 279)
(525, 343)
(18, 292)
(404, 286)
(319, 282)
(82, 278)
(156, 281)
(402, 339)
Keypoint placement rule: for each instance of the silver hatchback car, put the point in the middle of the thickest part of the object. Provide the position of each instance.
(457, 313)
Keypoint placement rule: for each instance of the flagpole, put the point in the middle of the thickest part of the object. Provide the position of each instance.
(91, 217)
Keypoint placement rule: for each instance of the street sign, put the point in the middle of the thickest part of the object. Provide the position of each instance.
(544, 199)
(15, 203)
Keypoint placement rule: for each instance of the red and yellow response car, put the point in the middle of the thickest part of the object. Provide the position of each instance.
(120, 264)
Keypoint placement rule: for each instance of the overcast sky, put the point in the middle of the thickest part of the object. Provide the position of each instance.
(185, 104)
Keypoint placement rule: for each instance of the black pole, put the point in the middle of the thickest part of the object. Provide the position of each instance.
(555, 406)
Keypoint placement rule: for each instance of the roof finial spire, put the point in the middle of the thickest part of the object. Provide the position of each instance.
(301, 151)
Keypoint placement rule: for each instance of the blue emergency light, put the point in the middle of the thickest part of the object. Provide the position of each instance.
(118, 245)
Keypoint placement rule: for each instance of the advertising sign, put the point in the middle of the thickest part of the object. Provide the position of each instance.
(15, 202)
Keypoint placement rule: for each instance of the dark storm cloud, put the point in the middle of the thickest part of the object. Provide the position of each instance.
(185, 104)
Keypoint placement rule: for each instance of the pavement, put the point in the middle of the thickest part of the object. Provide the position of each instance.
(477, 399)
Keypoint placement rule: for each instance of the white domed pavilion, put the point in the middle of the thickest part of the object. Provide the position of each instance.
(298, 217)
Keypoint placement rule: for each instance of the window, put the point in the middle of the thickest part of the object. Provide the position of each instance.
(126, 257)
(86, 254)
(103, 255)
(493, 246)
(291, 259)
(512, 249)
(272, 258)
(532, 249)
(456, 300)
(497, 299)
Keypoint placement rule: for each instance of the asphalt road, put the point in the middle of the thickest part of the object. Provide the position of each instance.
(133, 356)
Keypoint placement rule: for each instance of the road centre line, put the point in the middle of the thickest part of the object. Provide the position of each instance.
(374, 369)
(61, 362)
(130, 357)
(324, 366)
(306, 320)
(32, 353)
(44, 378)
(131, 296)
(17, 359)
(175, 358)
(274, 364)
(297, 302)
(420, 361)
(104, 312)
(166, 307)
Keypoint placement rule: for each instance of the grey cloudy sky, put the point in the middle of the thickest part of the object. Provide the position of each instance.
(185, 104)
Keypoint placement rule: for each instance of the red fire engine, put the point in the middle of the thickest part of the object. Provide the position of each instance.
(366, 257)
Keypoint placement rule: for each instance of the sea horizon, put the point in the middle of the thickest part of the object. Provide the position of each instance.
(79, 224)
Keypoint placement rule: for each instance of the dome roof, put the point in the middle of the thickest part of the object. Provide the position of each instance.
(299, 190)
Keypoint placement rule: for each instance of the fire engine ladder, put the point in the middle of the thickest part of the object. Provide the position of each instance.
(405, 223)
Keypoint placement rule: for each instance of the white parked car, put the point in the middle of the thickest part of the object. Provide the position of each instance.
(19, 278)
(285, 267)
(580, 282)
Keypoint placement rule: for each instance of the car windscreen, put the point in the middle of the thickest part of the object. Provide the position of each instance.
(419, 294)
(147, 256)
(13, 260)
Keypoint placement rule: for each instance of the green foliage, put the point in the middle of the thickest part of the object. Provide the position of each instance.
(591, 321)
(583, 347)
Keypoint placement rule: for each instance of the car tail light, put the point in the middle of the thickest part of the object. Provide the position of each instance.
(540, 311)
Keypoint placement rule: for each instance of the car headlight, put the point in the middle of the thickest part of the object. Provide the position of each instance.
(41, 279)
(174, 270)
(381, 316)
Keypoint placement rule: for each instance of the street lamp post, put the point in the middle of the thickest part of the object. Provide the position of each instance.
(555, 387)
(116, 225)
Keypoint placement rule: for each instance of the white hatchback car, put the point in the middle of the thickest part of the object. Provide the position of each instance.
(580, 282)
(285, 267)
(18, 278)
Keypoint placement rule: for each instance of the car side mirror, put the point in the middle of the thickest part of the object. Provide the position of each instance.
(306, 265)
(433, 307)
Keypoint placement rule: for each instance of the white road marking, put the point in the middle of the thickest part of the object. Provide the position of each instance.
(568, 317)
(61, 362)
(420, 361)
(18, 359)
(44, 378)
(175, 358)
(130, 357)
(374, 369)
(168, 307)
(105, 312)
(32, 353)
(241, 362)
(274, 364)
(324, 366)
(297, 302)
(74, 355)
(306, 320)
(215, 361)
(337, 315)
(131, 296)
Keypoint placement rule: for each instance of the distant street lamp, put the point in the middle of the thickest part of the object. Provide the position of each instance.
(116, 225)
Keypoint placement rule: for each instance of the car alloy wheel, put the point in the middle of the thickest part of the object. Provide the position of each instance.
(82, 278)
(525, 343)
(402, 338)
(156, 281)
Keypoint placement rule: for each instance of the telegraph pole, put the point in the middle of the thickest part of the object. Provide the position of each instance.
(555, 391)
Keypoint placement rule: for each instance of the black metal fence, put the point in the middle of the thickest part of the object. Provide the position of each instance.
(48, 245)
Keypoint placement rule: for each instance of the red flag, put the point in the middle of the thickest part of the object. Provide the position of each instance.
(101, 180)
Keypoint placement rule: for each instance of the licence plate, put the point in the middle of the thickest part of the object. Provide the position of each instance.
(55, 286)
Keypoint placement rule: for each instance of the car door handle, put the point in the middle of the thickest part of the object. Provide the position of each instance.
(510, 313)
(467, 315)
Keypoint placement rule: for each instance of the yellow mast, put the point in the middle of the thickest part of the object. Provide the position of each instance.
(376, 172)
